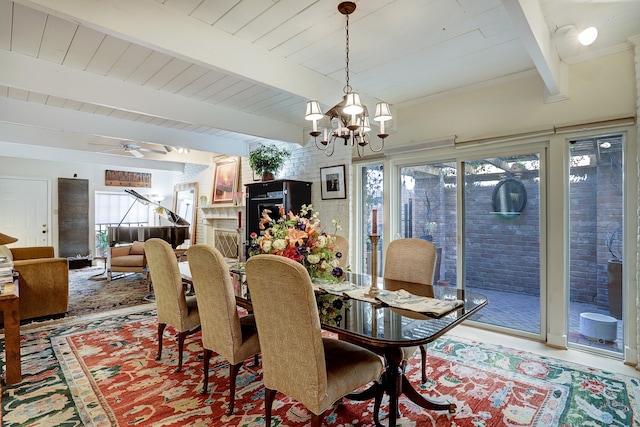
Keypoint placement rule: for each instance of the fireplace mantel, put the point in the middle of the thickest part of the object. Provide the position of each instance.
(212, 212)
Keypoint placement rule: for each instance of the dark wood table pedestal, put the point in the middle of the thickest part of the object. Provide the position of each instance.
(395, 383)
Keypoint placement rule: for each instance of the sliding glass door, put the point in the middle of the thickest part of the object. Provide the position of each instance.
(428, 211)
(501, 238)
(596, 177)
(502, 250)
(372, 192)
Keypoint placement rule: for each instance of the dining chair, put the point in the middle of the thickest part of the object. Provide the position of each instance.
(296, 359)
(173, 307)
(342, 243)
(412, 260)
(233, 337)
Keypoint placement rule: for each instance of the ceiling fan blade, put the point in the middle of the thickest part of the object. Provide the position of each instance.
(101, 144)
(151, 150)
(109, 150)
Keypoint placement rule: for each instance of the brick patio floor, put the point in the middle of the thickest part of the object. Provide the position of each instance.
(522, 312)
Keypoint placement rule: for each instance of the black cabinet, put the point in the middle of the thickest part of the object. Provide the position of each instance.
(271, 195)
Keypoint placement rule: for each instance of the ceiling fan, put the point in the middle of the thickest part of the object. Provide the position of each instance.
(133, 149)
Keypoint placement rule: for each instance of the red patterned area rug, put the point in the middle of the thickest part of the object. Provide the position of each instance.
(103, 372)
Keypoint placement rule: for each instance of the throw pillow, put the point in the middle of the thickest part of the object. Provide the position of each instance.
(137, 248)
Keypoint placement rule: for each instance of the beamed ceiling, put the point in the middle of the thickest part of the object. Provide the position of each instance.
(78, 78)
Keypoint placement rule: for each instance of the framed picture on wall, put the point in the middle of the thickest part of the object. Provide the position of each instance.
(127, 179)
(332, 183)
(225, 180)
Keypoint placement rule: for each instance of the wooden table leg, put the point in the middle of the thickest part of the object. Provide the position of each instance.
(393, 380)
(13, 368)
(395, 383)
(419, 400)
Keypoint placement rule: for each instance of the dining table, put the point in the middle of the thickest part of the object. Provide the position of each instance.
(368, 321)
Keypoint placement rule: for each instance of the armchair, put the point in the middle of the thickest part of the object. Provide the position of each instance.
(44, 281)
(126, 259)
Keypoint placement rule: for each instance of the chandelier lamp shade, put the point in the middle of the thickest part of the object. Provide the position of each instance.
(348, 120)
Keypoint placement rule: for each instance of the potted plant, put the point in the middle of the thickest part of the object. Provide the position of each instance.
(101, 243)
(267, 160)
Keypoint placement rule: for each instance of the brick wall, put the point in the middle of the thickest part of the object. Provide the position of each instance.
(502, 253)
(304, 165)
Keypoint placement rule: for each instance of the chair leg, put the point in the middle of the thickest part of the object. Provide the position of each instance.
(379, 390)
(205, 360)
(233, 373)
(269, 395)
(256, 360)
(316, 420)
(161, 327)
(181, 337)
(423, 357)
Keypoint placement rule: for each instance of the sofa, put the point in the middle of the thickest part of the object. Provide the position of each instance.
(44, 281)
(127, 259)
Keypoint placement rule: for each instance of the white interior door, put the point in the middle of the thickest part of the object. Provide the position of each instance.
(24, 214)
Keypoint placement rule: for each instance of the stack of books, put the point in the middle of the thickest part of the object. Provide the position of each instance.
(6, 272)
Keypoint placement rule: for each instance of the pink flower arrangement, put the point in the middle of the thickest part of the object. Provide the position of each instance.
(299, 237)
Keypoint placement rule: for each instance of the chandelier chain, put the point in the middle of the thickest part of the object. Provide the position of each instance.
(347, 88)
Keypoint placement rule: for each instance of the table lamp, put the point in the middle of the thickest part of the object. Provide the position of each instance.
(4, 251)
(5, 240)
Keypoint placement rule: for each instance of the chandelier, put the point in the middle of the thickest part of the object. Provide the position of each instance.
(348, 120)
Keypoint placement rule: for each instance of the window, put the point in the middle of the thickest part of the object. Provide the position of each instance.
(110, 209)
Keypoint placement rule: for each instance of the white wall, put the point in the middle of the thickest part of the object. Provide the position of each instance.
(598, 90)
(304, 165)
(161, 181)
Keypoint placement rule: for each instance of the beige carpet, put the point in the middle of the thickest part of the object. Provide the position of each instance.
(90, 292)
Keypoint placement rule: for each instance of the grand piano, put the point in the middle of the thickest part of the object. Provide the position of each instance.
(175, 234)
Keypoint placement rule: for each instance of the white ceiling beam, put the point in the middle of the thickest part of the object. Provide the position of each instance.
(158, 27)
(23, 72)
(97, 126)
(529, 23)
(27, 151)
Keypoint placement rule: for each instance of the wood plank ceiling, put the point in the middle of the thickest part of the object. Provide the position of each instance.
(215, 76)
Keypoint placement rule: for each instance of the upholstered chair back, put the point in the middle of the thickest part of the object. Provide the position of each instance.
(167, 285)
(343, 246)
(410, 260)
(219, 316)
(284, 305)
(223, 331)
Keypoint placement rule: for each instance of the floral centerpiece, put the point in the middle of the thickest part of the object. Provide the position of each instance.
(300, 238)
